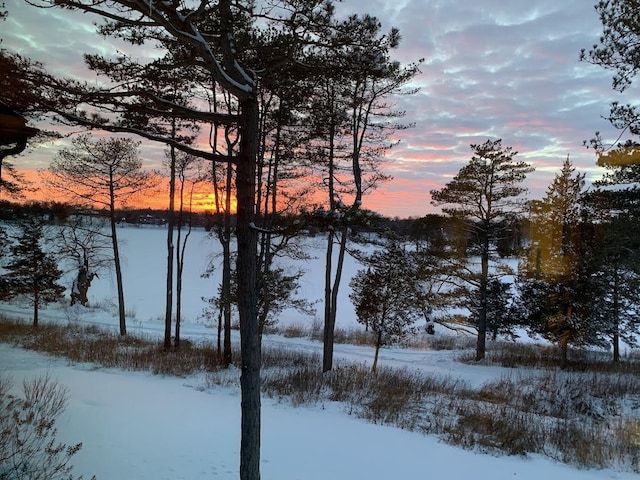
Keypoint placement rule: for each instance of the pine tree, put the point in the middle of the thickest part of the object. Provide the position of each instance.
(383, 297)
(552, 281)
(32, 272)
(613, 209)
(483, 194)
(105, 173)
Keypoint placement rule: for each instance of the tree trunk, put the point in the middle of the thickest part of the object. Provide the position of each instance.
(181, 246)
(616, 316)
(331, 298)
(327, 338)
(564, 352)
(250, 348)
(116, 260)
(226, 272)
(226, 299)
(36, 301)
(616, 347)
(374, 367)
(170, 226)
(482, 313)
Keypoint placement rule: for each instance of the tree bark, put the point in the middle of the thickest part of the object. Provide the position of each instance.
(116, 260)
(331, 299)
(374, 367)
(226, 273)
(36, 301)
(250, 348)
(170, 226)
(327, 337)
(482, 312)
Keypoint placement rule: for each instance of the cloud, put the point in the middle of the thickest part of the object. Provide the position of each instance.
(493, 69)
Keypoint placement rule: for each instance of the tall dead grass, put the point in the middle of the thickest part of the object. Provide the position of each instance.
(585, 416)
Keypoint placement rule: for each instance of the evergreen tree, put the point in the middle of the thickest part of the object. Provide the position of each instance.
(32, 272)
(553, 283)
(480, 197)
(384, 297)
(617, 50)
(613, 208)
(499, 319)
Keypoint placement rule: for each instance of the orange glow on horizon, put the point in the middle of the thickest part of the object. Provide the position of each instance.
(403, 197)
(198, 197)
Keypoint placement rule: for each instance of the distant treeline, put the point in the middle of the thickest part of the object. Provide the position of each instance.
(509, 238)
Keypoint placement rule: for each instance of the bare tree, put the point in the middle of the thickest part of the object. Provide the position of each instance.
(85, 243)
(104, 173)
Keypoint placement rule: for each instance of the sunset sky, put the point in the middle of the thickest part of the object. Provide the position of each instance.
(493, 69)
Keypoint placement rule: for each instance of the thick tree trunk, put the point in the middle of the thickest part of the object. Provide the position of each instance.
(226, 273)
(616, 347)
(250, 348)
(226, 299)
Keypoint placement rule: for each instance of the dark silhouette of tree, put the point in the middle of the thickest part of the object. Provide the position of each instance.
(102, 173)
(617, 50)
(483, 193)
(353, 120)
(32, 272)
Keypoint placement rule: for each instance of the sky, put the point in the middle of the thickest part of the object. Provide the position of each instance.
(492, 70)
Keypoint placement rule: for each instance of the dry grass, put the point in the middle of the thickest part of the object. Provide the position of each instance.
(585, 416)
(80, 343)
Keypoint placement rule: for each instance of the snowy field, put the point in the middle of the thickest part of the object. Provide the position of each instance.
(141, 427)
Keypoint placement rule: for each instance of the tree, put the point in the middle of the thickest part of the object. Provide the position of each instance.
(613, 210)
(183, 165)
(85, 244)
(552, 281)
(352, 125)
(104, 173)
(613, 276)
(499, 319)
(617, 47)
(617, 51)
(484, 193)
(384, 298)
(32, 272)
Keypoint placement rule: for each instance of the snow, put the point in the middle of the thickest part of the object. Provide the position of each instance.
(140, 426)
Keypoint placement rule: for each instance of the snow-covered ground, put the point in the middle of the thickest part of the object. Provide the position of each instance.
(138, 426)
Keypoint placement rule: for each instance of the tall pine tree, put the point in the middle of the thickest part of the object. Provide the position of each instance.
(483, 194)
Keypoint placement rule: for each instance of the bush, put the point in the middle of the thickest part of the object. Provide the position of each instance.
(28, 446)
